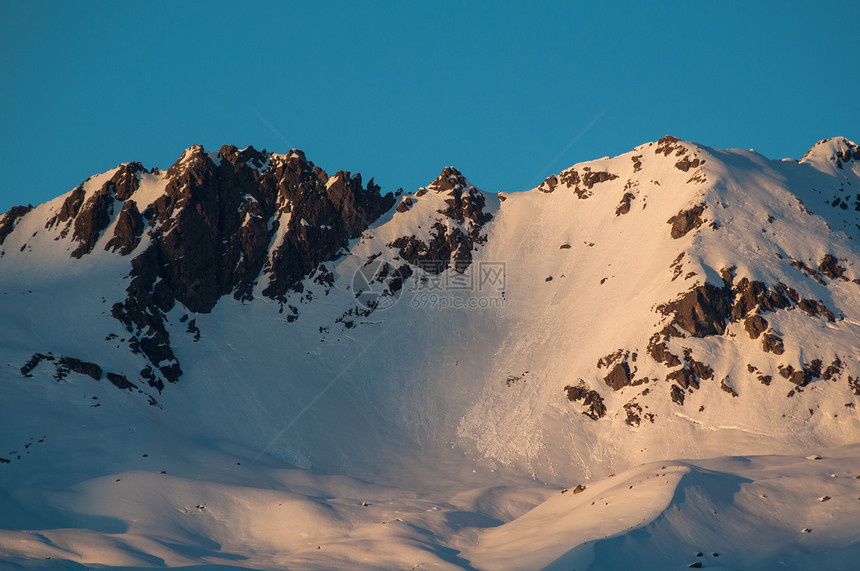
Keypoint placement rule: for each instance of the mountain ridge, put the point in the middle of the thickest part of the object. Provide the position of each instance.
(243, 362)
(250, 226)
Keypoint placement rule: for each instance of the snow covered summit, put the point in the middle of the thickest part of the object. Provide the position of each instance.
(676, 301)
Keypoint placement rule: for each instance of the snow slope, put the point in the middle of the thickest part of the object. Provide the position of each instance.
(449, 396)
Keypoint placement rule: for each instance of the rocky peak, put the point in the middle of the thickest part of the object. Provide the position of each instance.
(836, 150)
(126, 180)
(450, 179)
(193, 156)
(241, 157)
(448, 245)
(213, 234)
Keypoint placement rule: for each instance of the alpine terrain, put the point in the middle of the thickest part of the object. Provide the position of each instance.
(243, 361)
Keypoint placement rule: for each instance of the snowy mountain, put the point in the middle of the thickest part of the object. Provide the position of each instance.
(186, 352)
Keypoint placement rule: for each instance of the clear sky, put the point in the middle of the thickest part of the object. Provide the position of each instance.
(507, 92)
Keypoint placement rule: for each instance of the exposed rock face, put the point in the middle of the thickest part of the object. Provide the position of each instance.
(404, 205)
(619, 376)
(549, 184)
(685, 164)
(634, 413)
(755, 325)
(11, 218)
(63, 366)
(624, 206)
(69, 210)
(590, 399)
(707, 310)
(125, 182)
(128, 229)
(211, 232)
(848, 151)
(120, 381)
(247, 223)
(829, 266)
(677, 394)
(702, 311)
(91, 221)
(686, 221)
(772, 343)
(660, 352)
(580, 183)
(90, 218)
(450, 245)
(724, 385)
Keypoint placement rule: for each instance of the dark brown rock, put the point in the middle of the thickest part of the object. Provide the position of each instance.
(125, 181)
(634, 413)
(404, 205)
(81, 367)
(127, 231)
(590, 178)
(668, 145)
(755, 325)
(677, 394)
(660, 353)
(815, 308)
(449, 179)
(800, 377)
(449, 246)
(724, 384)
(702, 311)
(752, 295)
(120, 381)
(33, 362)
(211, 235)
(583, 184)
(684, 377)
(833, 370)
(70, 207)
(772, 343)
(589, 398)
(686, 221)
(685, 164)
(701, 370)
(611, 358)
(10, 220)
(91, 221)
(618, 377)
(571, 179)
(811, 272)
(829, 266)
(624, 206)
(549, 184)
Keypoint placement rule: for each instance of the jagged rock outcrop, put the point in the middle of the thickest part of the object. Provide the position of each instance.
(8, 221)
(212, 233)
(686, 221)
(128, 230)
(453, 237)
(247, 223)
(590, 399)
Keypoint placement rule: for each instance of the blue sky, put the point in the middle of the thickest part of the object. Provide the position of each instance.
(507, 92)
